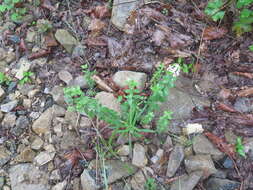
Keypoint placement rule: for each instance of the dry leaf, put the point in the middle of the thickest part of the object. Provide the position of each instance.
(96, 25)
(245, 92)
(211, 33)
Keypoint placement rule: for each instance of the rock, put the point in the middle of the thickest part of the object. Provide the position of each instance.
(37, 143)
(27, 155)
(9, 120)
(9, 106)
(244, 105)
(79, 81)
(158, 156)
(66, 40)
(5, 187)
(123, 150)
(182, 99)
(118, 169)
(2, 93)
(58, 111)
(69, 140)
(200, 162)
(27, 177)
(228, 163)
(167, 146)
(201, 145)
(220, 174)
(71, 118)
(22, 122)
(2, 180)
(121, 11)
(108, 100)
(65, 76)
(58, 95)
(44, 157)
(30, 36)
(24, 65)
(192, 128)
(88, 181)
(43, 123)
(176, 157)
(55, 175)
(27, 103)
(187, 182)
(5, 156)
(122, 78)
(221, 184)
(138, 181)
(60, 186)
(139, 157)
(25, 88)
(79, 51)
(85, 123)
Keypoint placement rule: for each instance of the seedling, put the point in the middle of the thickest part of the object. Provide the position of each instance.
(150, 184)
(239, 147)
(4, 79)
(26, 77)
(251, 47)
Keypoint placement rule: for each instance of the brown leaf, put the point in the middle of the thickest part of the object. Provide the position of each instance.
(221, 144)
(50, 40)
(224, 93)
(245, 92)
(96, 41)
(101, 11)
(102, 84)
(247, 75)
(153, 14)
(211, 33)
(40, 53)
(47, 5)
(96, 25)
(226, 108)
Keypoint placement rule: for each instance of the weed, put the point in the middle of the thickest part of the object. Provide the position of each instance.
(239, 147)
(186, 68)
(216, 10)
(150, 184)
(251, 47)
(26, 77)
(10, 6)
(43, 26)
(4, 79)
(136, 110)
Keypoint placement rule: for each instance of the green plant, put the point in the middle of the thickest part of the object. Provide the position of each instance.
(186, 68)
(44, 26)
(251, 47)
(26, 77)
(10, 6)
(239, 147)
(88, 74)
(136, 110)
(4, 79)
(150, 184)
(216, 10)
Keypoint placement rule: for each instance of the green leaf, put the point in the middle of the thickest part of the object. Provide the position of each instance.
(239, 147)
(251, 47)
(3, 8)
(213, 9)
(243, 3)
(245, 13)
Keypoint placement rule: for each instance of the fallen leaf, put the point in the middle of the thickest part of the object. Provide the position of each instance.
(211, 33)
(96, 25)
(102, 84)
(224, 93)
(96, 41)
(50, 40)
(40, 53)
(226, 108)
(247, 75)
(101, 11)
(153, 14)
(245, 92)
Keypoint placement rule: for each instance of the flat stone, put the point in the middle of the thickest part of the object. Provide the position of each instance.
(158, 156)
(58, 111)
(138, 181)
(9, 120)
(121, 11)
(60, 186)
(65, 76)
(79, 81)
(201, 145)
(5, 155)
(37, 143)
(2, 180)
(24, 66)
(58, 95)
(2, 93)
(87, 181)
(66, 40)
(123, 150)
(187, 182)
(9, 106)
(108, 100)
(200, 162)
(122, 78)
(139, 156)
(221, 184)
(22, 122)
(27, 155)
(43, 123)
(27, 177)
(44, 157)
(176, 157)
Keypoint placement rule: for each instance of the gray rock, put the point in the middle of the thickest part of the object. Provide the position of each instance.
(167, 146)
(66, 40)
(88, 181)
(200, 162)
(108, 100)
(139, 156)
(121, 78)
(60, 186)
(58, 95)
(123, 150)
(79, 81)
(22, 122)
(58, 111)
(65, 76)
(44, 157)
(9, 120)
(23, 66)
(5, 155)
(228, 163)
(37, 143)
(9, 106)
(117, 169)
(221, 184)
(244, 105)
(220, 174)
(182, 99)
(27, 177)
(30, 36)
(187, 182)
(158, 156)
(2, 180)
(121, 11)
(43, 123)
(71, 117)
(79, 51)
(55, 175)
(2, 93)
(26, 155)
(201, 145)
(138, 181)
(176, 157)
(69, 139)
